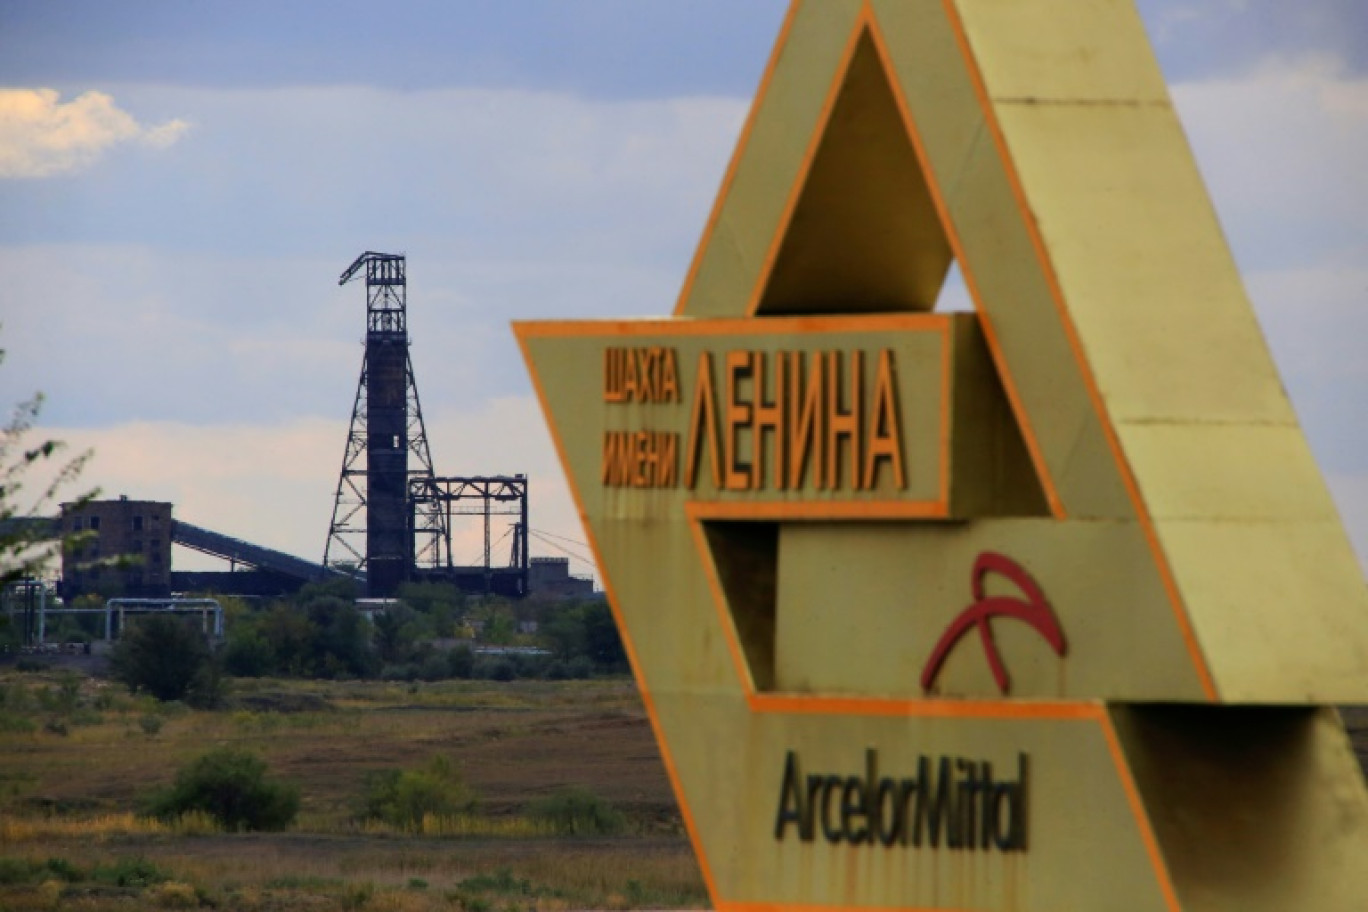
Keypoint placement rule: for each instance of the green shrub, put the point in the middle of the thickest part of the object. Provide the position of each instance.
(230, 785)
(531, 666)
(160, 655)
(17, 871)
(248, 654)
(405, 671)
(434, 668)
(11, 724)
(209, 688)
(62, 699)
(64, 869)
(402, 798)
(479, 892)
(495, 668)
(129, 872)
(501, 881)
(461, 662)
(576, 811)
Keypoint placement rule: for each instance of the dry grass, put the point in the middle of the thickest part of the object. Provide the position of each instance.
(72, 797)
(102, 828)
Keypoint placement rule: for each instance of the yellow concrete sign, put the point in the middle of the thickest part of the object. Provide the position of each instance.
(1028, 608)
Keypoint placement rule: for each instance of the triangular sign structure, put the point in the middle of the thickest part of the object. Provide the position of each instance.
(972, 611)
(863, 232)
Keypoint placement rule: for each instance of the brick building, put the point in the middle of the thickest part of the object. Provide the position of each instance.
(128, 551)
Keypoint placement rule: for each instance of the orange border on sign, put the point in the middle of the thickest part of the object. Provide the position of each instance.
(699, 512)
(1071, 333)
(1090, 712)
(737, 326)
(524, 331)
(809, 157)
(846, 705)
(737, 154)
(796, 704)
(1023, 420)
(833, 508)
(867, 21)
(902, 708)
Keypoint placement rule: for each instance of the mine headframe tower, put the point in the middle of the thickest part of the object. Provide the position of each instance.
(370, 536)
(438, 502)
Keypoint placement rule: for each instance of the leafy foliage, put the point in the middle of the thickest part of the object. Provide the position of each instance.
(162, 655)
(576, 811)
(320, 634)
(397, 630)
(402, 798)
(231, 785)
(135, 872)
(440, 603)
(26, 543)
(586, 629)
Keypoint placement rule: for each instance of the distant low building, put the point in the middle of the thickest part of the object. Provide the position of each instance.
(127, 553)
(549, 578)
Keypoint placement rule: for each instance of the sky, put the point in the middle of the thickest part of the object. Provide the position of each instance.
(181, 185)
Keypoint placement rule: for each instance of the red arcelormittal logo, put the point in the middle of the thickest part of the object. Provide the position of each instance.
(1033, 609)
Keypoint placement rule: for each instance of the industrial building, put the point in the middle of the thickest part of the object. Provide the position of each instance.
(394, 518)
(121, 547)
(549, 578)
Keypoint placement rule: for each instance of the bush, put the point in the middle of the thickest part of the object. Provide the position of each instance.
(531, 666)
(434, 668)
(17, 871)
(248, 654)
(63, 869)
(209, 688)
(13, 724)
(576, 811)
(314, 635)
(129, 872)
(402, 798)
(161, 655)
(586, 631)
(230, 785)
(461, 662)
(403, 672)
(495, 668)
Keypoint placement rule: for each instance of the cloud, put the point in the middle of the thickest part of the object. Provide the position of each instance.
(1281, 150)
(41, 136)
(208, 293)
(203, 326)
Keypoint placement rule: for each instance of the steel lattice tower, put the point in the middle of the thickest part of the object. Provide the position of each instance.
(386, 428)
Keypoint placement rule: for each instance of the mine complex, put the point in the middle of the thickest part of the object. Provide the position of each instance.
(393, 515)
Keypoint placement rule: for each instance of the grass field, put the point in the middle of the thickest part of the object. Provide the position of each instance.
(78, 755)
